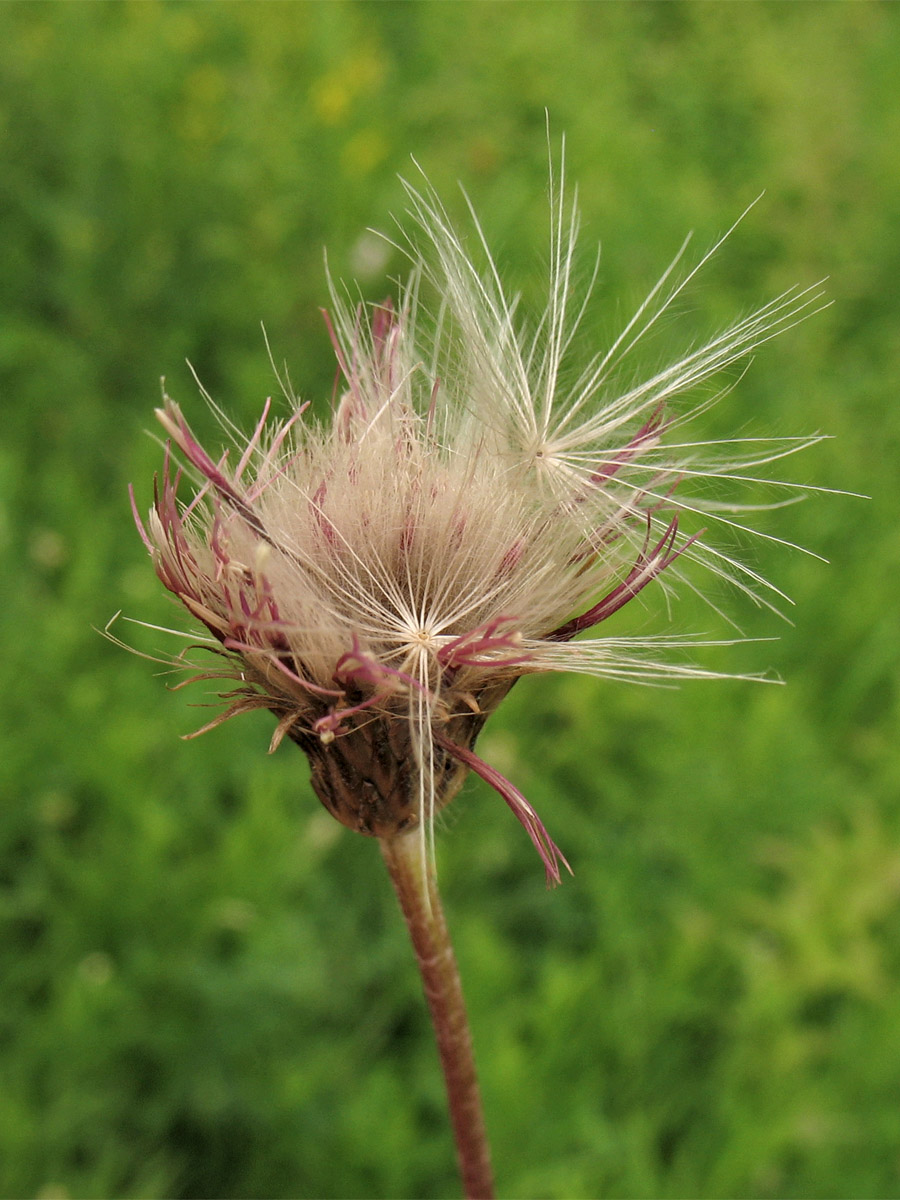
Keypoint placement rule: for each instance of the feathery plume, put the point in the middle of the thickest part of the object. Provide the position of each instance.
(380, 582)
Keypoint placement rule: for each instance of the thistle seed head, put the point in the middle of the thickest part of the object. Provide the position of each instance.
(380, 581)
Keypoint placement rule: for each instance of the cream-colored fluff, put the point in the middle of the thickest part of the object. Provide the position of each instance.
(381, 581)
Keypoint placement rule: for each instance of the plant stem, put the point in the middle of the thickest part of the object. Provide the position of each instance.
(417, 892)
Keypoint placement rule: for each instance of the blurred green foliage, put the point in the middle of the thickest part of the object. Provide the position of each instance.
(206, 990)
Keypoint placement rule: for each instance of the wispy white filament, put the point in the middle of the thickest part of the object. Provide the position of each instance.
(464, 518)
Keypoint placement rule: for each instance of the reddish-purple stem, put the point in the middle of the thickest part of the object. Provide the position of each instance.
(420, 902)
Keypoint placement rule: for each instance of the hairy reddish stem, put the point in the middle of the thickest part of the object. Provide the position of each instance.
(417, 892)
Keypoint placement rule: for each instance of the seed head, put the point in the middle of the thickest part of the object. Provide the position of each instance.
(380, 581)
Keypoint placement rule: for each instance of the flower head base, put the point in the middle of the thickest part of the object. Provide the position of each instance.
(380, 583)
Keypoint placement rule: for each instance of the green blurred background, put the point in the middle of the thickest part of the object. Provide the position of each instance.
(206, 990)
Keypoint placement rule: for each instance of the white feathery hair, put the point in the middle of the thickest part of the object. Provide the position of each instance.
(462, 519)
